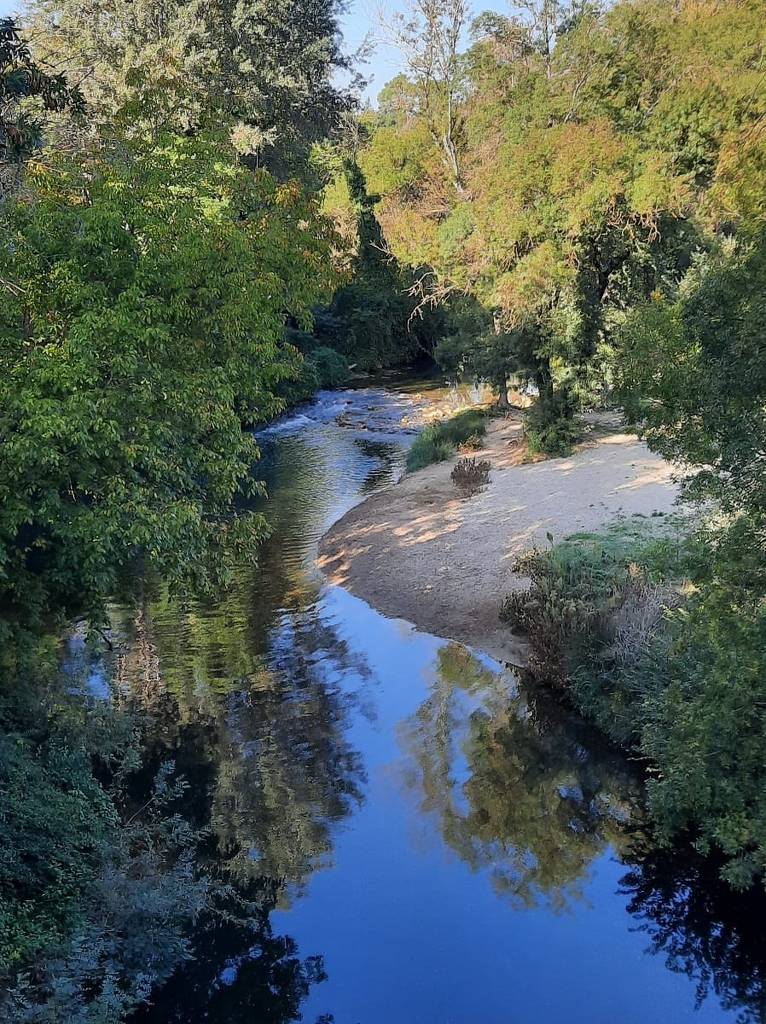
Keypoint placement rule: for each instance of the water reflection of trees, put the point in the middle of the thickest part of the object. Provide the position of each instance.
(702, 927)
(238, 975)
(269, 763)
(519, 790)
(287, 773)
(383, 470)
(262, 743)
(527, 793)
(244, 695)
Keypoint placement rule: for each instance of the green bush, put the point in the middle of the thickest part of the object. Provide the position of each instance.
(551, 424)
(330, 367)
(657, 637)
(579, 585)
(55, 825)
(99, 877)
(439, 441)
(704, 728)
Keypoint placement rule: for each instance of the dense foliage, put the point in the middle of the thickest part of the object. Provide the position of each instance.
(21, 79)
(658, 635)
(141, 328)
(693, 374)
(265, 69)
(149, 271)
(597, 153)
(374, 319)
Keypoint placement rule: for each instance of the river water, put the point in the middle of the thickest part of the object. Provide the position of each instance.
(430, 844)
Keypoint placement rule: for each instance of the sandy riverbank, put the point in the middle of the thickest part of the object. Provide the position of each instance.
(417, 551)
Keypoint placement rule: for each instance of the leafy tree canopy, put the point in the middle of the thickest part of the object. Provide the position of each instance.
(598, 151)
(21, 78)
(267, 68)
(141, 326)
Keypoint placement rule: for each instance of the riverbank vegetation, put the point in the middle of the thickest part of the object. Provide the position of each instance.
(439, 441)
(162, 244)
(199, 227)
(586, 189)
(568, 166)
(656, 634)
(668, 657)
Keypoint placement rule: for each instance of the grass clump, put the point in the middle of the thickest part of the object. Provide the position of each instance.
(581, 587)
(439, 441)
(470, 475)
(657, 633)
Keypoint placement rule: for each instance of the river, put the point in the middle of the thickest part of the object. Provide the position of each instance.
(431, 844)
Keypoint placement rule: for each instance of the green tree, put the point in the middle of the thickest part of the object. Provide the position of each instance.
(142, 326)
(266, 69)
(694, 375)
(374, 319)
(22, 79)
(598, 152)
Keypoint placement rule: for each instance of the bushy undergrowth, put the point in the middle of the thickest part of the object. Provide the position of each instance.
(317, 367)
(439, 441)
(551, 424)
(581, 586)
(664, 647)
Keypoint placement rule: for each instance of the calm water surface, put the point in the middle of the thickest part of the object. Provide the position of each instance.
(431, 844)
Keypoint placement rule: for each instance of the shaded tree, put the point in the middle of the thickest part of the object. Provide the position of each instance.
(267, 70)
(23, 79)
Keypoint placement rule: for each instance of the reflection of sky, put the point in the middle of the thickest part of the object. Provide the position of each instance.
(85, 668)
(410, 934)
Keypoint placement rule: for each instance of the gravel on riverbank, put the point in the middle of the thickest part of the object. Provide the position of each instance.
(417, 551)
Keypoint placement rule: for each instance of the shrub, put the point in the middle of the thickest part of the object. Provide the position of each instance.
(551, 425)
(565, 607)
(704, 728)
(331, 367)
(470, 475)
(471, 444)
(595, 605)
(55, 824)
(663, 646)
(320, 367)
(440, 440)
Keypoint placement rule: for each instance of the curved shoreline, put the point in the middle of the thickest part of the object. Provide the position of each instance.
(417, 551)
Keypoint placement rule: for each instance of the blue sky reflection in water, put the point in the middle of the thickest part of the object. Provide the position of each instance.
(440, 847)
(418, 933)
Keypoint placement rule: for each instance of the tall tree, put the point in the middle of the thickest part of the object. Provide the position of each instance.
(592, 170)
(428, 34)
(693, 375)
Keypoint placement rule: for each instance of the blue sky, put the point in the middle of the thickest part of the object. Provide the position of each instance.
(362, 18)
